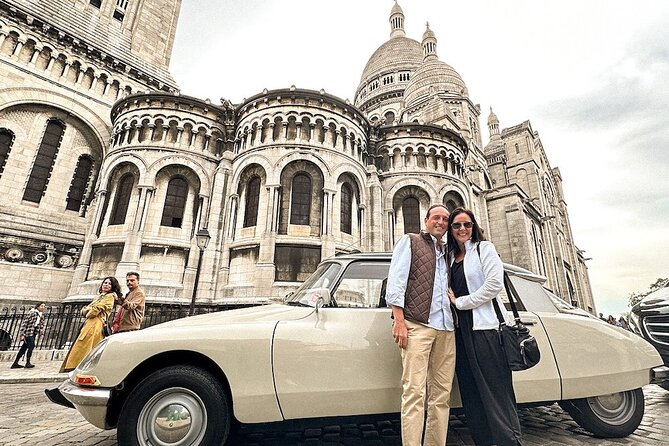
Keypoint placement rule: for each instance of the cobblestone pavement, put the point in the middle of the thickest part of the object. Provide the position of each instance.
(28, 418)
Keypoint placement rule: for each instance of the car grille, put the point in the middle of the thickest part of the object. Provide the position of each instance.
(657, 328)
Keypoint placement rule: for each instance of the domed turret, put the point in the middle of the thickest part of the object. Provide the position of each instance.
(433, 76)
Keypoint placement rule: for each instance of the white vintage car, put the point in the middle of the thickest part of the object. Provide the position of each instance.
(327, 351)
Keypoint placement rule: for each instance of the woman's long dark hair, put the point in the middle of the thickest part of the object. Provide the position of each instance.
(116, 288)
(477, 233)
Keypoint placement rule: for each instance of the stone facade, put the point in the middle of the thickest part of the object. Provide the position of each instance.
(280, 181)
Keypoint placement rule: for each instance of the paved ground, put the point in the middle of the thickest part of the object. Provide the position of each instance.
(28, 418)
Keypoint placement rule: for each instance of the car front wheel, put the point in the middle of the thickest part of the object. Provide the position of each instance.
(175, 406)
(608, 416)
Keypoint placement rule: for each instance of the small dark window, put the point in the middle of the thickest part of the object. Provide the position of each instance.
(82, 174)
(175, 203)
(46, 156)
(345, 205)
(252, 199)
(411, 213)
(6, 141)
(96, 3)
(300, 206)
(122, 200)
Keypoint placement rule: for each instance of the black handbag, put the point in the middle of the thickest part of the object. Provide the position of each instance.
(521, 348)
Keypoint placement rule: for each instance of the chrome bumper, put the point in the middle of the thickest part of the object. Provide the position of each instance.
(90, 402)
(659, 374)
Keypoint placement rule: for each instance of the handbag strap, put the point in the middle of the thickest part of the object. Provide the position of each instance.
(510, 292)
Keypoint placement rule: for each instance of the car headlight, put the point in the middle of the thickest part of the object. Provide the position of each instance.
(91, 359)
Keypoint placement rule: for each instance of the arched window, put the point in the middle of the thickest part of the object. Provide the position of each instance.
(453, 200)
(122, 199)
(300, 202)
(6, 141)
(82, 174)
(389, 117)
(46, 156)
(345, 208)
(175, 203)
(411, 213)
(252, 200)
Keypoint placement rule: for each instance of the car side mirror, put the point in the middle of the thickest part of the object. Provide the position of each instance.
(319, 297)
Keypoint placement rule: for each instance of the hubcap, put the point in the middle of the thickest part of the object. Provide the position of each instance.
(173, 417)
(616, 408)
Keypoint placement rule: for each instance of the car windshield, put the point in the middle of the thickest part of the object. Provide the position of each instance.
(323, 278)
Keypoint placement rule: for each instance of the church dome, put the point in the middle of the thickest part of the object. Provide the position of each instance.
(398, 53)
(389, 69)
(433, 76)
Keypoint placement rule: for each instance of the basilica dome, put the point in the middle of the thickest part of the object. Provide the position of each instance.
(433, 77)
(398, 53)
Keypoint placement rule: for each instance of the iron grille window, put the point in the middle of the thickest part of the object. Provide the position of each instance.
(411, 213)
(175, 203)
(82, 173)
(300, 203)
(345, 214)
(46, 156)
(252, 200)
(6, 141)
(122, 199)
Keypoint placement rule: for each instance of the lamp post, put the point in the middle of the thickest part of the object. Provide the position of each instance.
(202, 238)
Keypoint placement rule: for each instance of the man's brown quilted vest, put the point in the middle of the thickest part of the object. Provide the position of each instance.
(420, 284)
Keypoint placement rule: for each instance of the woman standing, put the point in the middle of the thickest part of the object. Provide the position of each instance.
(486, 386)
(32, 325)
(96, 314)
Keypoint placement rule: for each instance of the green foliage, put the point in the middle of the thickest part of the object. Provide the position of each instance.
(634, 298)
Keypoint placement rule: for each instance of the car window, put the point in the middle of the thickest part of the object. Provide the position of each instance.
(323, 277)
(362, 285)
(532, 296)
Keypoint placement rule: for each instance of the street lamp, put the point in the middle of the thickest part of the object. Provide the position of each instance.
(202, 239)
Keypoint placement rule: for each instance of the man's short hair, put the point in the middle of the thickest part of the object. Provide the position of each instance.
(435, 206)
(133, 273)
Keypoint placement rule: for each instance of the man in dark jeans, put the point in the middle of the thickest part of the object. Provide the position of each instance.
(32, 325)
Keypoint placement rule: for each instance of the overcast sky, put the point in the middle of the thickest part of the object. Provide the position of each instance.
(591, 76)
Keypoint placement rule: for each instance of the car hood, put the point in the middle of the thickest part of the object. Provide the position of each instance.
(656, 302)
(264, 313)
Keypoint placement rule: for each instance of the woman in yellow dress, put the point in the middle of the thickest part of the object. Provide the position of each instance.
(96, 314)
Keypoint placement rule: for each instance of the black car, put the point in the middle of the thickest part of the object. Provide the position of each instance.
(650, 318)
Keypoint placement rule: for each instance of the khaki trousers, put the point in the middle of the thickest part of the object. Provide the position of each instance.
(428, 364)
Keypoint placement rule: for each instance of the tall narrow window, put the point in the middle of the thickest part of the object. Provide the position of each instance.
(345, 208)
(122, 200)
(300, 203)
(82, 173)
(411, 213)
(252, 200)
(46, 156)
(119, 11)
(6, 141)
(175, 202)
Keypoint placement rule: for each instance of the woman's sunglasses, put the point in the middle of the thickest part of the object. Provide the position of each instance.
(467, 224)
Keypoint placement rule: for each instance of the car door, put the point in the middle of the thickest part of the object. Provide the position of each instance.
(340, 360)
(541, 382)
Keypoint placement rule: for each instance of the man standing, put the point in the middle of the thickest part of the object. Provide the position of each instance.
(129, 317)
(32, 325)
(423, 329)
